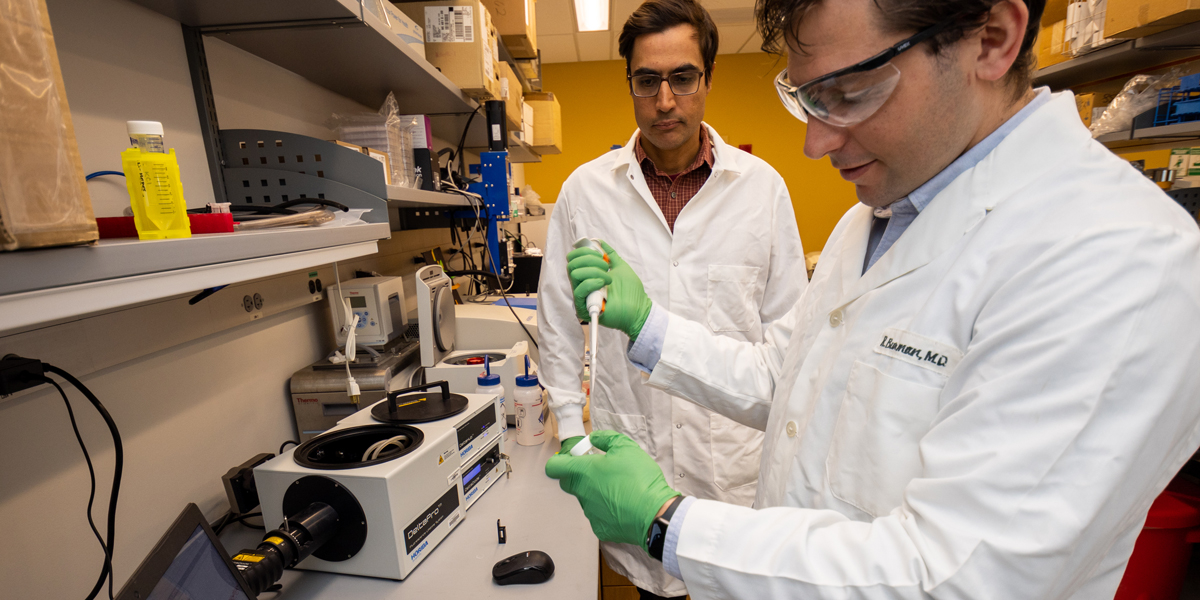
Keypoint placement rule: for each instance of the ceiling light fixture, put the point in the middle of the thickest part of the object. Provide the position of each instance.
(591, 15)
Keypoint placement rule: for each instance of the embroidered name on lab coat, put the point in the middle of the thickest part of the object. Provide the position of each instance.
(919, 350)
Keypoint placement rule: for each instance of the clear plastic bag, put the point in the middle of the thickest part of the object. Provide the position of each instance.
(43, 198)
(387, 131)
(1139, 95)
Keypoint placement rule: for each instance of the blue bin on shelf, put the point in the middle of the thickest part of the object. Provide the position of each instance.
(1179, 104)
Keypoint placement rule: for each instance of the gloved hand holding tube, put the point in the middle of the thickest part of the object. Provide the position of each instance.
(627, 306)
(620, 491)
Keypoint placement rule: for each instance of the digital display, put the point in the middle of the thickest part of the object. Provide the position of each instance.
(358, 302)
(198, 573)
(471, 475)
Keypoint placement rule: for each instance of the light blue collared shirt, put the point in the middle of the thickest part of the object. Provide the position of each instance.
(905, 210)
(646, 351)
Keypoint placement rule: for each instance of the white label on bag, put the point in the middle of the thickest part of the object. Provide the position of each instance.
(449, 24)
(919, 350)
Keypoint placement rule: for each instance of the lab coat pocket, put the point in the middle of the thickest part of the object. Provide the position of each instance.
(731, 293)
(875, 453)
(736, 450)
(633, 426)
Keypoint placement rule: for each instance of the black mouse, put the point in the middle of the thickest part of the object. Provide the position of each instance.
(534, 566)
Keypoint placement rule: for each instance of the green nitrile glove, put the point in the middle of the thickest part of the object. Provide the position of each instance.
(569, 443)
(627, 306)
(620, 491)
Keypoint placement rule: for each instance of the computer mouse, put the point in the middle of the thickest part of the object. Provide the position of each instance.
(534, 566)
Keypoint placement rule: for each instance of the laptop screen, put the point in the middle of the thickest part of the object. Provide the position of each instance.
(197, 573)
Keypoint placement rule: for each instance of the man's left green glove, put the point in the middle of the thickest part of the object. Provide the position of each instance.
(620, 491)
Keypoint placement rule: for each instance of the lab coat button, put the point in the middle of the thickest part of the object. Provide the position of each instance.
(835, 318)
(675, 263)
(791, 429)
(679, 426)
(681, 475)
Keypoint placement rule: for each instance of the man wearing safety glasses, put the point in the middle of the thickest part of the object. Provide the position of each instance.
(711, 230)
(993, 371)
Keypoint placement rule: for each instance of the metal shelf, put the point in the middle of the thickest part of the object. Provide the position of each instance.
(333, 43)
(1125, 58)
(527, 218)
(58, 283)
(408, 197)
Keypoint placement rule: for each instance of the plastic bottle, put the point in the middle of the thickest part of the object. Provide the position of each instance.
(489, 383)
(152, 178)
(530, 407)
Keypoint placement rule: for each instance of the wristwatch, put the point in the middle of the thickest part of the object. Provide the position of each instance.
(657, 537)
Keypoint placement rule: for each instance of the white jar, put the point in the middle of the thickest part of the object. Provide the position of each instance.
(531, 411)
(490, 385)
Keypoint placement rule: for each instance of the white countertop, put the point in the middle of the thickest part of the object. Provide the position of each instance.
(538, 516)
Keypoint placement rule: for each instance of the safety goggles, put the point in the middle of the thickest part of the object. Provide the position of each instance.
(850, 95)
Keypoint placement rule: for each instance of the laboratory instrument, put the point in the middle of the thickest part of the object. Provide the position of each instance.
(595, 303)
(530, 407)
(318, 391)
(534, 566)
(379, 304)
(440, 333)
(404, 461)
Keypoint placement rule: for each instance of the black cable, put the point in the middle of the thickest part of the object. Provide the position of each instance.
(118, 467)
(504, 294)
(104, 571)
(462, 163)
(284, 445)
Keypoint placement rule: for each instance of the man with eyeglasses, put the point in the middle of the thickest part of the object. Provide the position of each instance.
(992, 374)
(711, 231)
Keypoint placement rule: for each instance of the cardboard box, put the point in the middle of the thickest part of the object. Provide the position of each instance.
(43, 198)
(1139, 18)
(547, 135)
(1090, 102)
(462, 42)
(1055, 11)
(408, 30)
(510, 92)
(526, 122)
(1050, 45)
(516, 20)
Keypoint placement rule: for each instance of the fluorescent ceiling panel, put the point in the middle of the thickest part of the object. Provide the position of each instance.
(591, 15)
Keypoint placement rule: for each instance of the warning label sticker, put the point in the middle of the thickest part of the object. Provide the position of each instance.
(449, 24)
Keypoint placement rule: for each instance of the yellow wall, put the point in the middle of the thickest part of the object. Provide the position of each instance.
(743, 107)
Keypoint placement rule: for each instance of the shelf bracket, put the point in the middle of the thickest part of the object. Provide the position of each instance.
(206, 109)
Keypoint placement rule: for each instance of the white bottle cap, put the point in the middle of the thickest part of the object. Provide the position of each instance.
(144, 127)
(582, 447)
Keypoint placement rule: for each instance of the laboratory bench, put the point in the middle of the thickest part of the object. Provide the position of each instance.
(537, 515)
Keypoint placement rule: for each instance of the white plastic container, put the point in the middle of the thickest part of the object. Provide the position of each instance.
(147, 136)
(490, 384)
(530, 409)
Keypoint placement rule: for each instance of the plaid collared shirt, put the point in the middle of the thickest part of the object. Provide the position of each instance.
(672, 192)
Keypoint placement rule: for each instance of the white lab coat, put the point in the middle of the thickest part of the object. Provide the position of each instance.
(988, 412)
(734, 263)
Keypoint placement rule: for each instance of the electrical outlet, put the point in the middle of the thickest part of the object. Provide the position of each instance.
(248, 303)
(258, 301)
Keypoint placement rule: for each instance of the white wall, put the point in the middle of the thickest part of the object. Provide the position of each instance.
(191, 411)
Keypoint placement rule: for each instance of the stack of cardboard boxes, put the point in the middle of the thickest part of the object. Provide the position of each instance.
(462, 42)
(1116, 19)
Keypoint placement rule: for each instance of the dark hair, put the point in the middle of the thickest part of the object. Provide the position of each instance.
(656, 16)
(778, 19)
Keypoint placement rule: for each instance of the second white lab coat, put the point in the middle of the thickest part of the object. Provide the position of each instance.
(987, 412)
(734, 263)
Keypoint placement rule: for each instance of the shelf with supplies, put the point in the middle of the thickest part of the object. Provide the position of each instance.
(1125, 58)
(59, 283)
(411, 198)
(1179, 133)
(340, 45)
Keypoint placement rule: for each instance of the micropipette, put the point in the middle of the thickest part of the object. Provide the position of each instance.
(595, 301)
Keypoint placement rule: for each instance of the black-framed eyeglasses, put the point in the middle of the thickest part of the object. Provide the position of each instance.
(682, 83)
(851, 95)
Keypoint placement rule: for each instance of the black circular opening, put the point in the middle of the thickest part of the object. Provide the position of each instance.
(351, 524)
(344, 448)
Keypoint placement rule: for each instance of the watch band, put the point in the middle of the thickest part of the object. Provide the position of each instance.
(656, 538)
